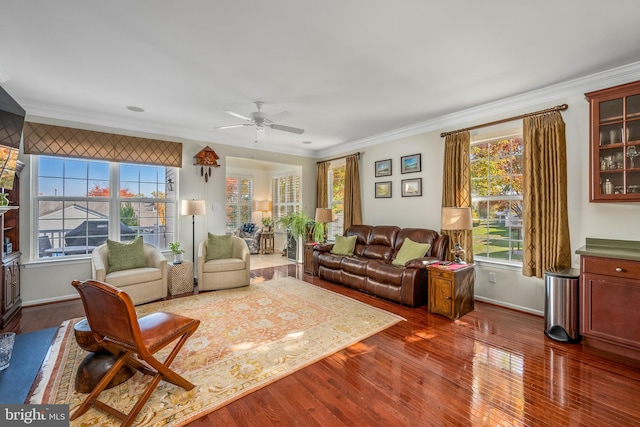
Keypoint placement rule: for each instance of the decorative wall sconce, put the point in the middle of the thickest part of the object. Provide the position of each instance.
(170, 184)
(206, 158)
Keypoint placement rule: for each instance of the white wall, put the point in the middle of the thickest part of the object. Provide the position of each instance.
(50, 280)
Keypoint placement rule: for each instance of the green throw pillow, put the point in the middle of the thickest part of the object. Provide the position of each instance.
(124, 256)
(219, 247)
(344, 245)
(410, 250)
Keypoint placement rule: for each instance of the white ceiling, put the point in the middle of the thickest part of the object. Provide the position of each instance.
(346, 70)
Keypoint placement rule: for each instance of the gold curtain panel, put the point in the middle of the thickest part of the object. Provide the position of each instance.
(87, 144)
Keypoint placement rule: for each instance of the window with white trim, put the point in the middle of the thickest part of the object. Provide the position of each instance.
(336, 177)
(239, 200)
(76, 209)
(285, 195)
(496, 194)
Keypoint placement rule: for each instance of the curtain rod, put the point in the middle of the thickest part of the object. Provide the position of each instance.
(510, 119)
(338, 158)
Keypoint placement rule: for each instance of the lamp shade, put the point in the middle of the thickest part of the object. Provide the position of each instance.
(324, 215)
(456, 219)
(193, 207)
(262, 205)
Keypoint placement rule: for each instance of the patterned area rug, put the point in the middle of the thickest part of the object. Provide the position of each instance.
(248, 338)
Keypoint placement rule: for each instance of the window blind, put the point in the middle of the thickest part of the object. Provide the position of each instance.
(86, 144)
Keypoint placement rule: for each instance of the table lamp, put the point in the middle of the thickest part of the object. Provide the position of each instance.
(323, 216)
(457, 220)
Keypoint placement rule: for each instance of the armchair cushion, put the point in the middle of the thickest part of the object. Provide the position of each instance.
(125, 256)
(410, 250)
(218, 247)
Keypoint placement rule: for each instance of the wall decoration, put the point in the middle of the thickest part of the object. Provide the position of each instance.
(411, 164)
(412, 187)
(383, 168)
(206, 158)
(383, 190)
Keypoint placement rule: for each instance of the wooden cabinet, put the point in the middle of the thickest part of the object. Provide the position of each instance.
(11, 301)
(308, 258)
(610, 297)
(451, 291)
(615, 144)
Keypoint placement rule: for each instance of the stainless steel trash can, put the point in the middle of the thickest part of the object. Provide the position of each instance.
(561, 304)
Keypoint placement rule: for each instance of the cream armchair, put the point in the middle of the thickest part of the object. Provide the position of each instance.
(142, 284)
(226, 273)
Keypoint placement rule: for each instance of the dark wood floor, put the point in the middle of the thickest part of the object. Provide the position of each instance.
(492, 367)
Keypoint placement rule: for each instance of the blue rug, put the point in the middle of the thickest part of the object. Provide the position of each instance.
(28, 353)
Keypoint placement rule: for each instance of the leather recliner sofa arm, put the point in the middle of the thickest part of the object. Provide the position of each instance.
(420, 263)
(323, 247)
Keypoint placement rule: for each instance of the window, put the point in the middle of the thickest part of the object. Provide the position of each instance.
(496, 193)
(336, 199)
(76, 207)
(285, 195)
(239, 200)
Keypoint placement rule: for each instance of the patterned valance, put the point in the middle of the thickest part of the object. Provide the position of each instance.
(87, 144)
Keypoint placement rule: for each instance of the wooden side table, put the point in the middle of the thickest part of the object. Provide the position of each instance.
(266, 242)
(451, 290)
(308, 258)
(180, 277)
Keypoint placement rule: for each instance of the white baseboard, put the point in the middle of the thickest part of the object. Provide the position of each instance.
(512, 306)
(50, 300)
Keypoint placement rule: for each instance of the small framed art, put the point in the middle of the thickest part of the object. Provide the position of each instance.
(383, 168)
(411, 164)
(383, 190)
(412, 187)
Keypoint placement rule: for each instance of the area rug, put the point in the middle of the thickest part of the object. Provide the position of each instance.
(248, 338)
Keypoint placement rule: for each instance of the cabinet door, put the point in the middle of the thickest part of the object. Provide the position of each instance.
(610, 309)
(7, 285)
(441, 293)
(615, 143)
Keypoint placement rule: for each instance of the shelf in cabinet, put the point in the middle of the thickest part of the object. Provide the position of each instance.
(4, 209)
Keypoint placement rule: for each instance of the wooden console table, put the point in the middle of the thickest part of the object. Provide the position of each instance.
(266, 242)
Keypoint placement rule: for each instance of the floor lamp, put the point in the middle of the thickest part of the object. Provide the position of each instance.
(193, 207)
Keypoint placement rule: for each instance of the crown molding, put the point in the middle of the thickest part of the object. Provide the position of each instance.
(43, 113)
(553, 93)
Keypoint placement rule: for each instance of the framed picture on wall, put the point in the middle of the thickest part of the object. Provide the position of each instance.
(412, 187)
(411, 164)
(383, 190)
(383, 168)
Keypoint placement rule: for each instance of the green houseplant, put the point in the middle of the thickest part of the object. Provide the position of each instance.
(177, 252)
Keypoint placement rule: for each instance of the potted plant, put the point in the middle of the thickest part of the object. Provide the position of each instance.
(177, 252)
(300, 228)
(267, 223)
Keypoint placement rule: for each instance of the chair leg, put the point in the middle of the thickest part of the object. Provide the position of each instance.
(102, 384)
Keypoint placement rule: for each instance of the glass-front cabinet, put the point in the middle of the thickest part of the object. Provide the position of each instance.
(615, 143)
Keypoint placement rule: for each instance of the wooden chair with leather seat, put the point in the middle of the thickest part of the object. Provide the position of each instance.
(112, 318)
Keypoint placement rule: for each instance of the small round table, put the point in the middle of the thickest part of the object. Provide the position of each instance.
(97, 363)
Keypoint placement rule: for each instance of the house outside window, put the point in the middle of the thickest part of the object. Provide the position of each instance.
(239, 200)
(496, 193)
(76, 209)
(285, 195)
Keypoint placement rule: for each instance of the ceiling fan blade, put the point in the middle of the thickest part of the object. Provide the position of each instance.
(260, 134)
(280, 116)
(233, 126)
(286, 128)
(240, 116)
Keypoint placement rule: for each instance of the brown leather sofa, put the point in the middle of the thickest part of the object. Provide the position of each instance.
(369, 269)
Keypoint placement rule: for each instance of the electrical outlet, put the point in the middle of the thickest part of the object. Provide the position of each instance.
(215, 206)
(492, 277)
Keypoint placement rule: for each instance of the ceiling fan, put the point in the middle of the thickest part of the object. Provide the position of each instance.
(259, 120)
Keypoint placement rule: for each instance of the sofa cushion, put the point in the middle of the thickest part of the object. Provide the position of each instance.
(385, 272)
(125, 256)
(219, 247)
(355, 265)
(344, 245)
(410, 250)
